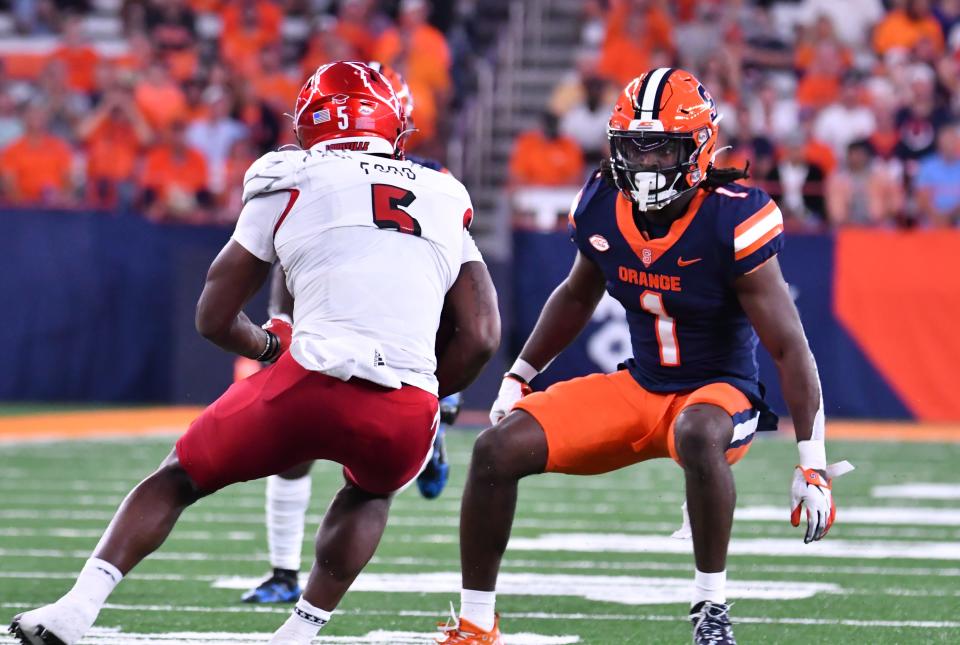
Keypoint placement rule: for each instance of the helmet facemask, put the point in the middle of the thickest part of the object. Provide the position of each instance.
(654, 168)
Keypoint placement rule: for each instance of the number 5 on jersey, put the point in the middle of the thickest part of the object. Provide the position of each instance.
(389, 203)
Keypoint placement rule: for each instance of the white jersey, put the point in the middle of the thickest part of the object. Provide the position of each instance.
(370, 247)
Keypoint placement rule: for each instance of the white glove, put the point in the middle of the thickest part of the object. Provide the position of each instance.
(512, 389)
(811, 490)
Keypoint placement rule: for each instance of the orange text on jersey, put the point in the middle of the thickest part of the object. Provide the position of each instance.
(650, 280)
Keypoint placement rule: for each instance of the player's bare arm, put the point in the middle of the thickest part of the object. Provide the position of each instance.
(565, 314)
(472, 301)
(233, 278)
(764, 296)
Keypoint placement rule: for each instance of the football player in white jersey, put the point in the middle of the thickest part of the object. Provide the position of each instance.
(374, 248)
(288, 493)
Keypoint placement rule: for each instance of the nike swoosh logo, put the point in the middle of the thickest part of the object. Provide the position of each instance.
(685, 263)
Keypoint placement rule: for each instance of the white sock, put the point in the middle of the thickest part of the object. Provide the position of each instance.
(287, 502)
(302, 625)
(709, 586)
(96, 581)
(477, 607)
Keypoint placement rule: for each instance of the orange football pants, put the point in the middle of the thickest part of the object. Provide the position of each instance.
(603, 422)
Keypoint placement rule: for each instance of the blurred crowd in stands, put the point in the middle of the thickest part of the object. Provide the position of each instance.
(846, 110)
(165, 115)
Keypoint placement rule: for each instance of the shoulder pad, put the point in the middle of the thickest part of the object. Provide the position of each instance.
(270, 173)
(594, 186)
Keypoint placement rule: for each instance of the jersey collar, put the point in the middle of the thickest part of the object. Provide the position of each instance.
(649, 251)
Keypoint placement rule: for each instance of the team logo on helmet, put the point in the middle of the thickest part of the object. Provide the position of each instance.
(702, 91)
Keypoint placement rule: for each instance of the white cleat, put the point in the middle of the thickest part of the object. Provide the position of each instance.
(62, 623)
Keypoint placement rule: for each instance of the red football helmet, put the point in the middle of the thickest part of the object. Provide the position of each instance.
(399, 86)
(349, 106)
(663, 137)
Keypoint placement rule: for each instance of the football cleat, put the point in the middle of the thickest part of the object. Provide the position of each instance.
(450, 408)
(433, 479)
(281, 586)
(62, 623)
(711, 624)
(463, 632)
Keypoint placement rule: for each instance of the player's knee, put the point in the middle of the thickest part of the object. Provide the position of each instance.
(174, 478)
(702, 434)
(484, 462)
(510, 450)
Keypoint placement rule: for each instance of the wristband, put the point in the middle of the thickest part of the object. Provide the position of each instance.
(273, 344)
(523, 370)
(813, 454)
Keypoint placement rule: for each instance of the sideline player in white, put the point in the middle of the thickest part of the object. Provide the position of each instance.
(374, 248)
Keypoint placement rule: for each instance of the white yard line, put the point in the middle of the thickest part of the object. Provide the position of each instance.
(639, 618)
(83, 534)
(627, 590)
(107, 636)
(917, 491)
(794, 547)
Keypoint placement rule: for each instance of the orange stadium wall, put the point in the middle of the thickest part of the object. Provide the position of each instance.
(881, 310)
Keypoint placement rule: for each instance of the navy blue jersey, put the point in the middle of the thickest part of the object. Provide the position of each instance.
(687, 328)
(432, 164)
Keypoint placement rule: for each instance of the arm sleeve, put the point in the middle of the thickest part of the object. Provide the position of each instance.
(470, 251)
(259, 216)
(758, 234)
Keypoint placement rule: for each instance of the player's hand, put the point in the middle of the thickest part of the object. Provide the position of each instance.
(280, 327)
(512, 389)
(813, 490)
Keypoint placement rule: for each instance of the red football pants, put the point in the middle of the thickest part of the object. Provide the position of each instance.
(285, 415)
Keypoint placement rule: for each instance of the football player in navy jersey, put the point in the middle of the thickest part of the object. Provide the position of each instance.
(692, 257)
(288, 494)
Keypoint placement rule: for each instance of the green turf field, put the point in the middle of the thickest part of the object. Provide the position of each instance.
(591, 559)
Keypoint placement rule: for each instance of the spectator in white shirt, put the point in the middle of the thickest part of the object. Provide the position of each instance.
(845, 120)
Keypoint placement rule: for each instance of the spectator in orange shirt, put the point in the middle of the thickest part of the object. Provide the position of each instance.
(821, 34)
(323, 46)
(273, 84)
(173, 183)
(114, 135)
(904, 27)
(418, 50)
(172, 27)
(35, 168)
(79, 58)
(544, 157)
(352, 27)
(248, 27)
(820, 85)
(159, 98)
(635, 28)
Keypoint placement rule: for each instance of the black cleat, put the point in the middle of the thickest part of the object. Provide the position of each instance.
(282, 586)
(711, 624)
(40, 636)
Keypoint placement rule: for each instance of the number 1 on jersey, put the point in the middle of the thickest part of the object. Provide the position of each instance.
(389, 203)
(666, 328)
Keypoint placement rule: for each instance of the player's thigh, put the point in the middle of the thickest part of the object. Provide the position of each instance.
(245, 433)
(598, 423)
(716, 417)
(384, 437)
(514, 448)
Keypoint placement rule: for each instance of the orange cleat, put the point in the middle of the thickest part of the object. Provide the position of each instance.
(463, 632)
